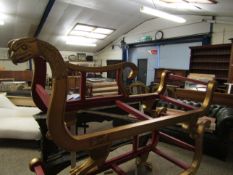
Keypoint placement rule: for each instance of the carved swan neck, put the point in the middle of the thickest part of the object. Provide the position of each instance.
(54, 58)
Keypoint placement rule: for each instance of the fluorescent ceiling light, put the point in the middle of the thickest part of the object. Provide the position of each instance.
(1, 22)
(81, 44)
(96, 35)
(161, 14)
(103, 31)
(80, 41)
(88, 34)
(84, 28)
(202, 1)
(191, 1)
(180, 6)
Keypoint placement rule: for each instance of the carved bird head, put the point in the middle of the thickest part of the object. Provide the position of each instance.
(22, 50)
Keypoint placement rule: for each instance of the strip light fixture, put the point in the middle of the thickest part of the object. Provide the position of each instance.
(87, 35)
(1, 22)
(80, 41)
(161, 14)
(177, 5)
(191, 1)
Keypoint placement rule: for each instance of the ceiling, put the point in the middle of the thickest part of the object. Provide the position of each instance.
(22, 18)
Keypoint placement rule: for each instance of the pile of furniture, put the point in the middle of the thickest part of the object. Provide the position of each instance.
(101, 86)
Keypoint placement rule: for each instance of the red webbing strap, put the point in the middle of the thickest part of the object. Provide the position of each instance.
(177, 142)
(39, 78)
(44, 96)
(172, 159)
(118, 170)
(39, 170)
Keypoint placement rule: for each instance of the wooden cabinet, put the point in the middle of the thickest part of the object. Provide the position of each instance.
(212, 59)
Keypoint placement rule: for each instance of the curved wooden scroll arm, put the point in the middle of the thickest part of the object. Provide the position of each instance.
(118, 68)
(199, 134)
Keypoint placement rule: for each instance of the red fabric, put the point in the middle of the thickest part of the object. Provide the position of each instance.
(39, 170)
(44, 96)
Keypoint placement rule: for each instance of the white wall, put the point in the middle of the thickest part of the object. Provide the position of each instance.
(7, 64)
(109, 53)
(194, 25)
(65, 54)
(222, 30)
(152, 60)
(176, 56)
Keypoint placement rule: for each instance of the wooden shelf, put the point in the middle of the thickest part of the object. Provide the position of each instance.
(212, 59)
(221, 78)
(212, 47)
(212, 54)
(211, 69)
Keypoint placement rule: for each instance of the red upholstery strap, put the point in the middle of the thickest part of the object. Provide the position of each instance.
(39, 170)
(43, 94)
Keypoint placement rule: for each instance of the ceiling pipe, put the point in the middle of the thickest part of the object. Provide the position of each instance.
(42, 22)
(44, 17)
(212, 28)
(216, 21)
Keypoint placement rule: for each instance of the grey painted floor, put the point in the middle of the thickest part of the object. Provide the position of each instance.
(14, 161)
